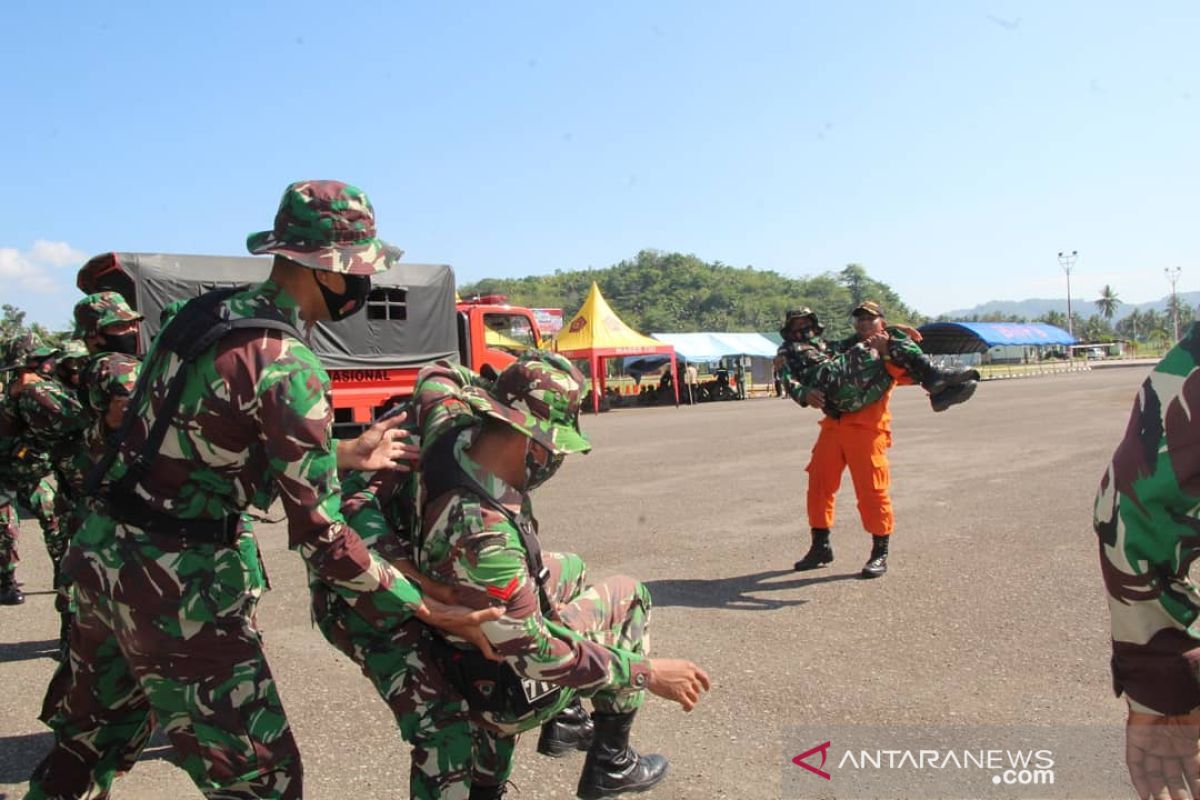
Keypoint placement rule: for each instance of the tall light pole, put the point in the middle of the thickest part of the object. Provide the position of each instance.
(1067, 262)
(1172, 274)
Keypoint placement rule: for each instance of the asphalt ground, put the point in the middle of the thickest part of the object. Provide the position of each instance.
(992, 613)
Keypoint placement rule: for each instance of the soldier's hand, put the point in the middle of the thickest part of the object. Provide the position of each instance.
(461, 621)
(815, 398)
(678, 679)
(384, 445)
(442, 592)
(1163, 755)
(878, 342)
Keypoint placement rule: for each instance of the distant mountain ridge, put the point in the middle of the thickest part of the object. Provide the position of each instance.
(1036, 307)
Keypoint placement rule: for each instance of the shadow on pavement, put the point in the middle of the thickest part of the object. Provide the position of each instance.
(734, 593)
(24, 651)
(20, 754)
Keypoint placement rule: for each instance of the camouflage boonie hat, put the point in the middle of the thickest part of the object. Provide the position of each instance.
(801, 313)
(99, 310)
(73, 349)
(539, 395)
(867, 307)
(326, 225)
(17, 351)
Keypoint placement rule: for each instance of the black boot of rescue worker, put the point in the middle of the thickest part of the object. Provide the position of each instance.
(571, 730)
(486, 792)
(10, 593)
(877, 564)
(820, 552)
(953, 395)
(612, 766)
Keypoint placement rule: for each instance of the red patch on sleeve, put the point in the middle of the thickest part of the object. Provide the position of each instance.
(505, 593)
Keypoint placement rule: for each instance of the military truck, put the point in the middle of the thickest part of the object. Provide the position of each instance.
(412, 318)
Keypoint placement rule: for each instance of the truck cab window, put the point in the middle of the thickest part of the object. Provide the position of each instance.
(387, 304)
(510, 333)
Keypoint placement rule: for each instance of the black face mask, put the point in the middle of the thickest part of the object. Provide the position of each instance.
(126, 343)
(535, 473)
(342, 305)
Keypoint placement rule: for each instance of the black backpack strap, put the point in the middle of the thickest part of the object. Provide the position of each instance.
(441, 473)
(199, 325)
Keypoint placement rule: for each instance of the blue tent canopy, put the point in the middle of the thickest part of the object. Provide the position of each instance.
(715, 346)
(978, 337)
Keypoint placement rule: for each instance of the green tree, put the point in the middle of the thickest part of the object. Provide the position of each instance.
(1108, 302)
(674, 292)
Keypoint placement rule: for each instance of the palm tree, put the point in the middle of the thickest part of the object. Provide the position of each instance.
(1108, 302)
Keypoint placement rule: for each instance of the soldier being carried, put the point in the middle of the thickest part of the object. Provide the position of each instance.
(851, 374)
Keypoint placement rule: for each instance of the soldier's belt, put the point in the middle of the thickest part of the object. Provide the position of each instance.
(130, 510)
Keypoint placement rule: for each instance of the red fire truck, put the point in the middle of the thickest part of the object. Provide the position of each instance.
(412, 318)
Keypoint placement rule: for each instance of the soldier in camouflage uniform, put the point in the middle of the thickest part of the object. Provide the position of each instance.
(165, 600)
(1148, 532)
(559, 637)
(859, 439)
(449, 756)
(846, 374)
(38, 417)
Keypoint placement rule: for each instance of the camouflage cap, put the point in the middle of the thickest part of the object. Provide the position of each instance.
(97, 311)
(539, 395)
(18, 350)
(73, 349)
(868, 307)
(802, 313)
(326, 225)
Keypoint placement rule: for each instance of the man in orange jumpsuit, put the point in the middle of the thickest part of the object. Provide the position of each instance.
(860, 440)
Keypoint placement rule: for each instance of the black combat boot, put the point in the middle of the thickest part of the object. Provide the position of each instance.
(932, 378)
(571, 730)
(953, 395)
(10, 592)
(820, 552)
(612, 766)
(486, 792)
(877, 564)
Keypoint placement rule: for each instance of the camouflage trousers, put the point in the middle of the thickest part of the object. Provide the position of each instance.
(447, 751)
(9, 531)
(167, 631)
(39, 496)
(614, 612)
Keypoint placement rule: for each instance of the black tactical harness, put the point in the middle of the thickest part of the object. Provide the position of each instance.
(199, 325)
(488, 686)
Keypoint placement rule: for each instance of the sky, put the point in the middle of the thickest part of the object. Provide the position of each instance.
(952, 148)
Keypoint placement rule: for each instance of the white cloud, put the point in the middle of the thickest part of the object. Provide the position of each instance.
(45, 268)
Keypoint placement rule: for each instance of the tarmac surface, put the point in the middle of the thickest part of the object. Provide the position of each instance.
(993, 612)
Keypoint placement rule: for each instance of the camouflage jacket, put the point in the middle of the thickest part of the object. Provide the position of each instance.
(55, 420)
(105, 377)
(850, 375)
(383, 507)
(1147, 519)
(35, 427)
(255, 422)
(475, 548)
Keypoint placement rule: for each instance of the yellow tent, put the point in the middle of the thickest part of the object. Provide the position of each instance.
(596, 333)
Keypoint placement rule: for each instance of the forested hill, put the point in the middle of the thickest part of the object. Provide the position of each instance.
(673, 293)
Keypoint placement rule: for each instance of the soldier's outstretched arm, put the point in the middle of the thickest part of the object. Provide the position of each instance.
(295, 419)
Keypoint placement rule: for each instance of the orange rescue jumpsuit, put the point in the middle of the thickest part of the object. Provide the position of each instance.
(858, 440)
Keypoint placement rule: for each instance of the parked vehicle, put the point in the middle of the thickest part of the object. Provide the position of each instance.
(411, 319)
